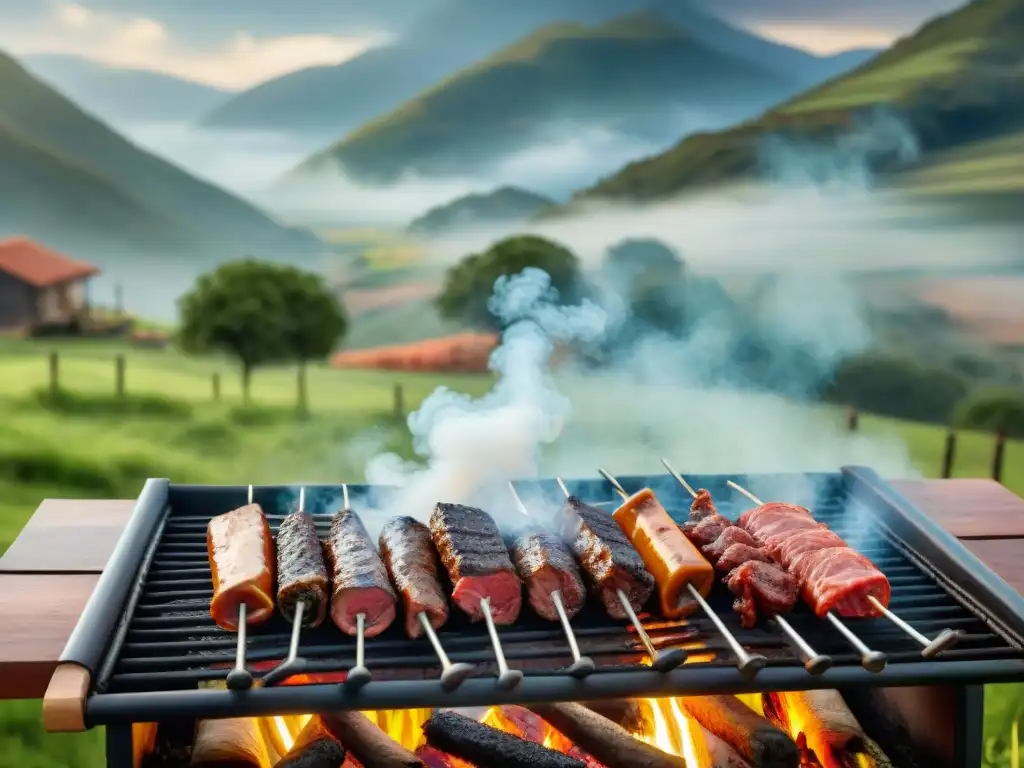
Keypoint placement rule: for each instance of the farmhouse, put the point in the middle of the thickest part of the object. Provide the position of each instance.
(40, 287)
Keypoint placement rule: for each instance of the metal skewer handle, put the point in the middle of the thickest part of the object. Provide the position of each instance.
(239, 679)
(507, 678)
(359, 675)
(452, 675)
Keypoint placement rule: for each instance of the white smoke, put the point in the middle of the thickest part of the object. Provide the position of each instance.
(471, 448)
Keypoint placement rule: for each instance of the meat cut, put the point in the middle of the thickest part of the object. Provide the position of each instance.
(410, 558)
(546, 565)
(478, 564)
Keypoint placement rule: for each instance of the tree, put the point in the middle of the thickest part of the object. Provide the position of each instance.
(470, 283)
(631, 258)
(261, 314)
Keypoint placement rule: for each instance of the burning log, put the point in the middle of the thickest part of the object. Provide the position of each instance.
(532, 727)
(755, 739)
(435, 758)
(314, 747)
(596, 735)
(368, 743)
(624, 712)
(234, 743)
(722, 755)
(829, 727)
(483, 745)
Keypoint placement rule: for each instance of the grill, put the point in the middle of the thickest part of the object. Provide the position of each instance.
(151, 649)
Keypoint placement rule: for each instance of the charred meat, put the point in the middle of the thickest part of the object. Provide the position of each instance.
(546, 565)
(361, 583)
(477, 562)
(301, 570)
(607, 558)
(410, 558)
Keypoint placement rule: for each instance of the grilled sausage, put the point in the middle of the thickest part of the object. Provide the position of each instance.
(361, 583)
(409, 555)
(241, 552)
(301, 571)
(667, 553)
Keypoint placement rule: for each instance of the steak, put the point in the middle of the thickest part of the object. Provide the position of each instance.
(360, 579)
(842, 580)
(478, 564)
(410, 557)
(708, 530)
(731, 535)
(738, 554)
(606, 556)
(546, 565)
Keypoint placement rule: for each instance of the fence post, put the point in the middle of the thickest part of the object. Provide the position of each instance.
(302, 399)
(852, 418)
(54, 373)
(216, 387)
(120, 363)
(949, 455)
(997, 457)
(399, 396)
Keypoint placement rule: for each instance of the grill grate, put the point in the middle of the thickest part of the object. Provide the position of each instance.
(171, 645)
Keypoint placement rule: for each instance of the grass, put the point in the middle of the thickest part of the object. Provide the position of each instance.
(88, 443)
(981, 168)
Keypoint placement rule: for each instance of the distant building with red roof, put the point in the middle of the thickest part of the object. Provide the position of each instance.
(39, 286)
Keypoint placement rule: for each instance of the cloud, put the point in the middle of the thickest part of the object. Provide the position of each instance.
(823, 39)
(235, 62)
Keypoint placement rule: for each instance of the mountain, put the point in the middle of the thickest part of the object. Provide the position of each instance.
(72, 182)
(629, 75)
(506, 205)
(457, 34)
(125, 95)
(957, 80)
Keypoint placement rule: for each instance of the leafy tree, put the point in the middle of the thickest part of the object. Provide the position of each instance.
(992, 410)
(469, 284)
(261, 314)
(632, 258)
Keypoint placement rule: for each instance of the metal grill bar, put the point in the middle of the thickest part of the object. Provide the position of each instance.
(172, 644)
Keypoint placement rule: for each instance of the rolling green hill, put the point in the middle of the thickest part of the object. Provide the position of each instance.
(70, 180)
(630, 74)
(506, 205)
(958, 80)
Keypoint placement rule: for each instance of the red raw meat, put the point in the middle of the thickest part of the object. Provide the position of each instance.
(731, 535)
(738, 554)
(761, 586)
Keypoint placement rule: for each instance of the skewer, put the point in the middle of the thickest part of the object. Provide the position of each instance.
(747, 664)
(581, 665)
(293, 664)
(662, 661)
(507, 678)
(945, 640)
(359, 675)
(452, 675)
(239, 678)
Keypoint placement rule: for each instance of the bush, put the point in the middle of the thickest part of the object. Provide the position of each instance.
(992, 410)
(898, 387)
(76, 404)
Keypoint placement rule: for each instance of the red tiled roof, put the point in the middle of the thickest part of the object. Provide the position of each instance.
(37, 265)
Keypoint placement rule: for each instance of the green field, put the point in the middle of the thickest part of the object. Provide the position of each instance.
(89, 444)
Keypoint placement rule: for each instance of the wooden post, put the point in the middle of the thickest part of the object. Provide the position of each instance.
(216, 387)
(852, 418)
(302, 399)
(997, 456)
(949, 455)
(119, 386)
(399, 395)
(54, 373)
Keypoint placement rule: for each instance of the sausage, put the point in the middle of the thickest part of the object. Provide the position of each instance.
(241, 552)
(301, 571)
(667, 553)
(409, 555)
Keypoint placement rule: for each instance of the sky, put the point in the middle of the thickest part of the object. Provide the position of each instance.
(235, 44)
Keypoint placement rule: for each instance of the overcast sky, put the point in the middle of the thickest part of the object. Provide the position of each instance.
(238, 43)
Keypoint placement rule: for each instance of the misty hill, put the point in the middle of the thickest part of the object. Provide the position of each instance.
(629, 75)
(506, 205)
(340, 98)
(71, 181)
(124, 94)
(958, 79)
